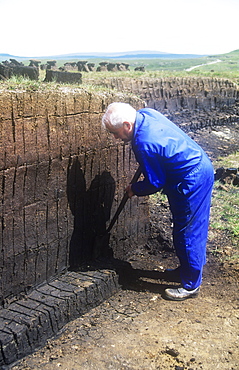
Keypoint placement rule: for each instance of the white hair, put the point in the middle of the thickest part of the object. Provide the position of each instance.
(118, 113)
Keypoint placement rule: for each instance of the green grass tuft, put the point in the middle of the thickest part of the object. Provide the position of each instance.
(225, 209)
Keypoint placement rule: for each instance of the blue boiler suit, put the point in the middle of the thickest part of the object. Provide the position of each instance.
(172, 161)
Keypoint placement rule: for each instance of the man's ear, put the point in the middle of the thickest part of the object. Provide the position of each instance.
(128, 126)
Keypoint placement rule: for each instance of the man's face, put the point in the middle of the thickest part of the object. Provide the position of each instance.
(125, 133)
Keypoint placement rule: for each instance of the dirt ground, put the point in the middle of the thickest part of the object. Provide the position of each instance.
(137, 328)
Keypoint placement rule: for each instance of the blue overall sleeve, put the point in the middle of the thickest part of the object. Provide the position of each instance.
(154, 176)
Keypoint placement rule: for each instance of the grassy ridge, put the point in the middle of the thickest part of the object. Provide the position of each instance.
(228, 68)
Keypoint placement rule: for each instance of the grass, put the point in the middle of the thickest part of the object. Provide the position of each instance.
(225, 202)
(224, 224)
(19, 83)
(225, 210)
(231, 160)
(24, 83)
(155, 68)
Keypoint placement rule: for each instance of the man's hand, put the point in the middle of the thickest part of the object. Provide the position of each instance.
(129, 191)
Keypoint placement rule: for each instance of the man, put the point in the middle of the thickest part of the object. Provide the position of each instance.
(172, 161)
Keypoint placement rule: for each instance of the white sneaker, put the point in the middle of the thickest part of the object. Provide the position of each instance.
(179, 294)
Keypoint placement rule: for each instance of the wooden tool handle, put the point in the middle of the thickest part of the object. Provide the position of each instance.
(124, 200)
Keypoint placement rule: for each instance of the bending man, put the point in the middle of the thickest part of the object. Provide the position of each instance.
(172, 161)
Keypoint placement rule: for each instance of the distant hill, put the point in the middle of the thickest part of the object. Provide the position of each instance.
(9, 56)
(6, 56)
(140, 54)
(128, 55)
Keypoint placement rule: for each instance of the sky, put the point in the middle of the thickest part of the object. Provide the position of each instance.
(53, 27)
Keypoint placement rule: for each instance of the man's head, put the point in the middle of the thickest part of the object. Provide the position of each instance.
(119, 120)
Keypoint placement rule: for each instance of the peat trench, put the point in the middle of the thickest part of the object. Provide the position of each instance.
(136, 328)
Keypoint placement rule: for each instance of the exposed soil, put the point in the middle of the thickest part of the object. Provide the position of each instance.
(137, 328)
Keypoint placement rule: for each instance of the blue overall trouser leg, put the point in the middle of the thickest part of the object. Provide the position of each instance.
(190, 206)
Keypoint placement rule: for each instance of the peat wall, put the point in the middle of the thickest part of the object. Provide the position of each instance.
(193, 103)
(61, 179)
